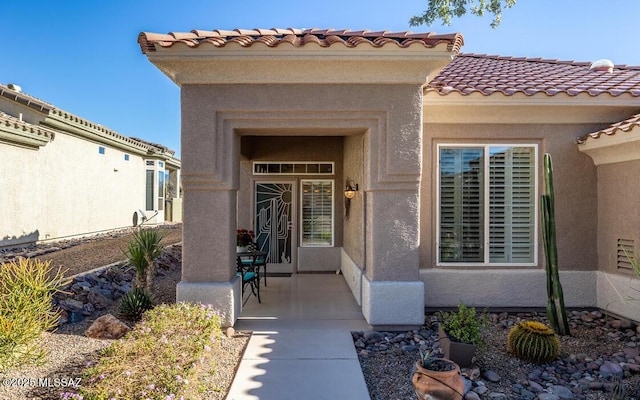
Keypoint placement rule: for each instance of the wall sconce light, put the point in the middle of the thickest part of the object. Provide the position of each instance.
(349, 193)
(350, 189)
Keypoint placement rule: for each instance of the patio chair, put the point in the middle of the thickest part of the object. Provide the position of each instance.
(249, 275)
(258, 260)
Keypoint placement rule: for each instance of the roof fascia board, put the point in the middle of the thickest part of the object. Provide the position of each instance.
(300, 70)
(23, 138)
(608, 149)
(57, 121)
(522, 109)
(23, 134)
(25, 100)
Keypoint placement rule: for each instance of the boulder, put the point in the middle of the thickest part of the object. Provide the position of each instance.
(107, 327)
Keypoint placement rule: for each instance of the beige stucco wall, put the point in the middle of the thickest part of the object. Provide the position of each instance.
(67, 188)
(618, 210)
(618, 218)
(354, 226)
(387, 118)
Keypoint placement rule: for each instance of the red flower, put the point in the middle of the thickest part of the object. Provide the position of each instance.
(244, 237)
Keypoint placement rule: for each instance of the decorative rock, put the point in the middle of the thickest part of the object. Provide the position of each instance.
(230, 332)
(73, 304)
(547, 396)
(491, 376)
(373, 336)
(471, 396)
(562, 392)
(535, 387)
(608, 369)
(107, 327)
(98, 300)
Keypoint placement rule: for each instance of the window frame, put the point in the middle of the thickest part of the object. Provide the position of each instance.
(333, 213)
(486, 205)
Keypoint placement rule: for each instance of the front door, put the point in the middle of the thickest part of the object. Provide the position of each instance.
(274, 227)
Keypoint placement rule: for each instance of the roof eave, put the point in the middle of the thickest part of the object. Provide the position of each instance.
(614, 148)
(519, 108)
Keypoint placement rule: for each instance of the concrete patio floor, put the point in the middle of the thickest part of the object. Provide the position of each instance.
(301, 345)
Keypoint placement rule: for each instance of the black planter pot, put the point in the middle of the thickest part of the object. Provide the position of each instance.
(460, 353)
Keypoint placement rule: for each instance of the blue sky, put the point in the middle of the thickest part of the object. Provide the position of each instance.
(82, 55)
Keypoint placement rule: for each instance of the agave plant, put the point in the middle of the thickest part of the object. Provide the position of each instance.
(134, 303)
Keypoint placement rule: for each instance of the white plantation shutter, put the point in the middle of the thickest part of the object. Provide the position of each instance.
(317, 212)
(508, 191)
(511, 205)
(461, 205)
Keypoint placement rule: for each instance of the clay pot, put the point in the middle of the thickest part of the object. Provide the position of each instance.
(438, 385)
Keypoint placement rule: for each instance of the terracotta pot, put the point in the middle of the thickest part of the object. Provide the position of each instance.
(438, 385)
(458, 352)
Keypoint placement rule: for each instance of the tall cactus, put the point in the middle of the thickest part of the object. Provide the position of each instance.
(555, 303)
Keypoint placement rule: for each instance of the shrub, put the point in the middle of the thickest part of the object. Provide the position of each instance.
(533, 341)
(142, 250)
(464, 325)
(135, 303)
(158, 358)
(26, 290)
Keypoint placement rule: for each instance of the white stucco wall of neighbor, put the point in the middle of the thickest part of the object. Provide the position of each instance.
(67, 188)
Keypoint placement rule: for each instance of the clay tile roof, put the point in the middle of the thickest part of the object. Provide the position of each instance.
(297, 37)
(488, 74)
(623, 126)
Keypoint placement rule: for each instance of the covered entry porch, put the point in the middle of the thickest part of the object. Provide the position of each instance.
(350, 98)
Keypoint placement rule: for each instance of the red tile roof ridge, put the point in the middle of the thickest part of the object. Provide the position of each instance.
(542, 60)
(297, 37)
(622, 126)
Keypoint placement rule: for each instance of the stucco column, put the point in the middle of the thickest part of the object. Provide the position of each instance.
(209, 177)
(392, 292)
(208, 262)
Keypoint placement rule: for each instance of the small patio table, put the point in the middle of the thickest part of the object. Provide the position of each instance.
(257, 259)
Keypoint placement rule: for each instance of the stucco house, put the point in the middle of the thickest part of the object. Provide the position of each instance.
(64, 176)
(440, 153)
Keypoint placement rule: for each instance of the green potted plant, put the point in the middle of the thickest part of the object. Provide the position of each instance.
(437, 378)
(460, 332)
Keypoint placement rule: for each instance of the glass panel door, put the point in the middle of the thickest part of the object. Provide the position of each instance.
(274, 210)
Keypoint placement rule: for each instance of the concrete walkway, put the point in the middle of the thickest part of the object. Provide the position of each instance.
(301, 347)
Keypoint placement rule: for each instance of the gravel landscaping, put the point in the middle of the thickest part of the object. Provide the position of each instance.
(601, 358)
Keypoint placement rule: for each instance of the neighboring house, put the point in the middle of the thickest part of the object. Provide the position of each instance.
(444, 151)
(64, 176)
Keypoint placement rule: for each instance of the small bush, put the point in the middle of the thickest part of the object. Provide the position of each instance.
(464, 325)
(26, 290)
(135, 303)
(158, 358)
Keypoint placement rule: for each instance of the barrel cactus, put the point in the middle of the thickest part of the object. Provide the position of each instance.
(533, 341)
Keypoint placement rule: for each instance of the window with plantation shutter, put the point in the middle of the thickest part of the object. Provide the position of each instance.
(487, 204)
(317, 213)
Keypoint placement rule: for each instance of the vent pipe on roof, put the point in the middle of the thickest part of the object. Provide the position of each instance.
(14, 87)
(602, 65)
